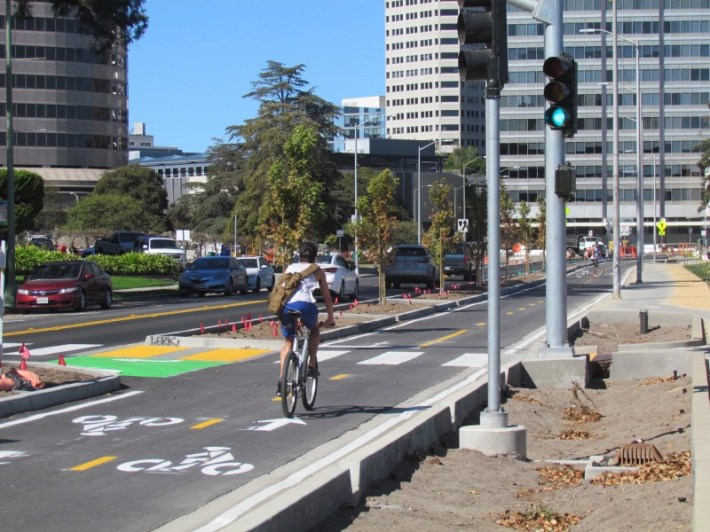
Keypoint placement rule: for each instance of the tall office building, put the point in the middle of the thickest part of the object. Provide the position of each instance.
(420, 42)
(70, 105)
(425, 99)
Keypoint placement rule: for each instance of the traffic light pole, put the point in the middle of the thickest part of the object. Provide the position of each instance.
(555, 249)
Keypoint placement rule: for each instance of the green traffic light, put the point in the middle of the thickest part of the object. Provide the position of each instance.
(557, 117)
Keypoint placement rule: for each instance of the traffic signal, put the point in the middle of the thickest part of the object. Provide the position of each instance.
(488, 28)
(565, 181)
(561, 93)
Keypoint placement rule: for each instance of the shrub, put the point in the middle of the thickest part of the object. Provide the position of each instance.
(27, 258)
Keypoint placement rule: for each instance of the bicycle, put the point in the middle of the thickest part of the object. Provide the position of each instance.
(593, 270)
(295, 380)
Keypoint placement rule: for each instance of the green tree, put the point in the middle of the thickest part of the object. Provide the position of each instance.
(704, 164)
(293, 202)
(29, 198)
(377, 227)
(284, 104)
(142, 184)
(107, 21)
(108, 212)
(438, 237)
(541, 220)
(509, 230)
(525, 229)
(477, 214)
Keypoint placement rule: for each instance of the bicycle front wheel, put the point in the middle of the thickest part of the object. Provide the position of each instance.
(289, 385)
(310, 389)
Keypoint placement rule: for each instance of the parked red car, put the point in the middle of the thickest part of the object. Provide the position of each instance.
(65, 285)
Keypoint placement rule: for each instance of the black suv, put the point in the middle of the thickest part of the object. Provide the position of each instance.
(460, 261)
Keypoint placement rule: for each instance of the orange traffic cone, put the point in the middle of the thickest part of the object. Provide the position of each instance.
(61, 361)
(23, 364)
(202, 328)
(234, 327)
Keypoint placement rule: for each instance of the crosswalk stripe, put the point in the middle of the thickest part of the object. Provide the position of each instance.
(469, 360)
(327, 354)
(392, 358)
(41, 351)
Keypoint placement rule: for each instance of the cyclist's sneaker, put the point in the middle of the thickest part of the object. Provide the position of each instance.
(313, 371)
(278, 389)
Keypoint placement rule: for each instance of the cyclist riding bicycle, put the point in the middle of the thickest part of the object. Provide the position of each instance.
(303, 301)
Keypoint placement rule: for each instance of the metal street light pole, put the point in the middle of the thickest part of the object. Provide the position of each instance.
(10, 286)
(640, 244)
(357, 216)
(419, 189)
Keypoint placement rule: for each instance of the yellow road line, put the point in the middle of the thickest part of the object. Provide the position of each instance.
(481, 324)
(510, 313)
(93, 463)
(207, 423)
(226, 355)
(131, 317)
(340, 377)
(444, 338)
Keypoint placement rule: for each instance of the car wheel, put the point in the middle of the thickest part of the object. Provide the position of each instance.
(397, 285)
(184, 293)
(230, 288)
(81, 304)
(108, 300)
(431, 283)
(201, 294)
(257, 286)
(244, 288)
(356, 292)
(467, 276)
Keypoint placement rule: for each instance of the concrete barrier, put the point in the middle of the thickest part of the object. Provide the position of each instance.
(700, 441)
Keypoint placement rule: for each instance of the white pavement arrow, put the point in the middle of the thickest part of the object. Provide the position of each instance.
(273, 424)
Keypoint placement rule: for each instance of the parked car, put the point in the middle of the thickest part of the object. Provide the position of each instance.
(159, 245)
(260, 273)
(43, 242)
(118, 243)
(65, 285)
(412, 263)
(460, 261)
(342, 280)
(213, 274)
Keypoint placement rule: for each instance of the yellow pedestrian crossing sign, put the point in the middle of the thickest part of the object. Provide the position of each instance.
(661, 225)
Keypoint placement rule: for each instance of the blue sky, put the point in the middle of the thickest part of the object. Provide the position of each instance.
(189, 72)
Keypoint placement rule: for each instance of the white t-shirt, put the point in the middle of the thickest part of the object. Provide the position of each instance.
(308, 284)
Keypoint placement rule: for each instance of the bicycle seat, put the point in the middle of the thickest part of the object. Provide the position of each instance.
(295, 314)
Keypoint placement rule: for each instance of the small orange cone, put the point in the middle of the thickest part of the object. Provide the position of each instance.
(23, 364)
(234, 327)
(61, 361)
(202, 328)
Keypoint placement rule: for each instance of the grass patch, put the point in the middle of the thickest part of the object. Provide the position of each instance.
(121, 282)
(701, 270)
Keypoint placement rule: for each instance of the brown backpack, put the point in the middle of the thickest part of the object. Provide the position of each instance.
(286, 286)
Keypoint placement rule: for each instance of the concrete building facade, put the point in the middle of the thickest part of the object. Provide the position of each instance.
(70, 104)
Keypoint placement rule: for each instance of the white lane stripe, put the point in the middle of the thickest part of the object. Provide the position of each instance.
(116, 397)
(327, 354)
(40, 351)
(469, 360)
(392, 358)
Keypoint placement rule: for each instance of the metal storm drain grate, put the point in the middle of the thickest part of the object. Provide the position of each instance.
(637, 454)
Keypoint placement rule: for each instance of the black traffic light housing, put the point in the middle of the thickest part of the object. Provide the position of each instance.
(489, 28)
(561, 93)
(565, 181)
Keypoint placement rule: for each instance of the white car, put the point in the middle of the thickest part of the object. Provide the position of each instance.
(260, 273)
(342, 279)
(159, 245)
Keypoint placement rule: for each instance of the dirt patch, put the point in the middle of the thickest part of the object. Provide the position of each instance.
(608, 336)
(51, 376)
(444, 488)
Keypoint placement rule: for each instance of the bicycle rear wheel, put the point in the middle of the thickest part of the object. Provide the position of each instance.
(289, 385)
(310, 389)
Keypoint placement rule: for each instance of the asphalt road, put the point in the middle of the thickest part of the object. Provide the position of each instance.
(161, 448)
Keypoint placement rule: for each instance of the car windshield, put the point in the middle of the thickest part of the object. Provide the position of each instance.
(324, 259)
(411, 252)
(129, 237)
(56, 271)
(249, 263)
(163, 243)
(210, 264)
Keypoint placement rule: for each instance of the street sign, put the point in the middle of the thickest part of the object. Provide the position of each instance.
(661, 225)
(625, 230)
(463, 225)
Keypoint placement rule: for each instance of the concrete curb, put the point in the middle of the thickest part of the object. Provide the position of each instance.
(21, 401)
(700, 441)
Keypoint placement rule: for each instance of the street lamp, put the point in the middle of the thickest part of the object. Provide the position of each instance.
(640, 237)
(9, 295)
(357, 216)
(419, 189)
